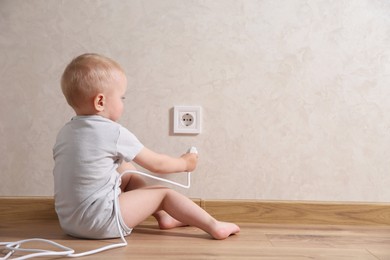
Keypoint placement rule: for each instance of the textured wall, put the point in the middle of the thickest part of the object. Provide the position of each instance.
(295, 94)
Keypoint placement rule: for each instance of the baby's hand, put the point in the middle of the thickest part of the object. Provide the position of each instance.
(191, 160)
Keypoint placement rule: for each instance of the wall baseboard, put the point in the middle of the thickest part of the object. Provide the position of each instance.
(22, 209)
(299, 212)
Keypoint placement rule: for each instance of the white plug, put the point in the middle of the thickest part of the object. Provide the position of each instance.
(193, 150)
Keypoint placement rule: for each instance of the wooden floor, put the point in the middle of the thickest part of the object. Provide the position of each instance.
(255, 241)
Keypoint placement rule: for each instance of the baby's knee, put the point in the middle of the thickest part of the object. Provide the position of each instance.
(163, 189)
(159, 187)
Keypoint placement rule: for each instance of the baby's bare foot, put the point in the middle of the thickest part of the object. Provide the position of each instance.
(224, 230)
(165, 221)
(170, 223)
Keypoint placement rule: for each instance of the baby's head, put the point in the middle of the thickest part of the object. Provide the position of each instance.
(87, 76)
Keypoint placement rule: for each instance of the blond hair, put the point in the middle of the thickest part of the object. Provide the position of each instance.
(86, 76)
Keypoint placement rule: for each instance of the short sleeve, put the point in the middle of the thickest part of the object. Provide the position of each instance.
(128, 146)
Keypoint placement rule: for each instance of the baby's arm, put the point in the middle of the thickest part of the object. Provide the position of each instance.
(161, 163)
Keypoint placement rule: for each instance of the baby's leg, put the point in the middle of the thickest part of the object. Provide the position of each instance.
(137, 205)
(134, 181)
(130, 181)
(166, 221)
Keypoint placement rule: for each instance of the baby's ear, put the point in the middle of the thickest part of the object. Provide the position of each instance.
(99, 102)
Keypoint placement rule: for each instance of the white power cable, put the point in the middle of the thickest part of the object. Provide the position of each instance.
(11, 247)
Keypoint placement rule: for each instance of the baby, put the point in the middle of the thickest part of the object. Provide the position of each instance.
(93, 149)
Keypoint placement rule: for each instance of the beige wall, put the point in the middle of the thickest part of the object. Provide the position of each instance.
(295, 94)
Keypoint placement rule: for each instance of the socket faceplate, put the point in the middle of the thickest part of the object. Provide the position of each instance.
(187, 119)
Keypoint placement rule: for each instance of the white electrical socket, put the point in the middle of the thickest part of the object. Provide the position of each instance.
(187, 119)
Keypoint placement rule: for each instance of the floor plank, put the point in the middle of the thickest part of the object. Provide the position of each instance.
(255, 241)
